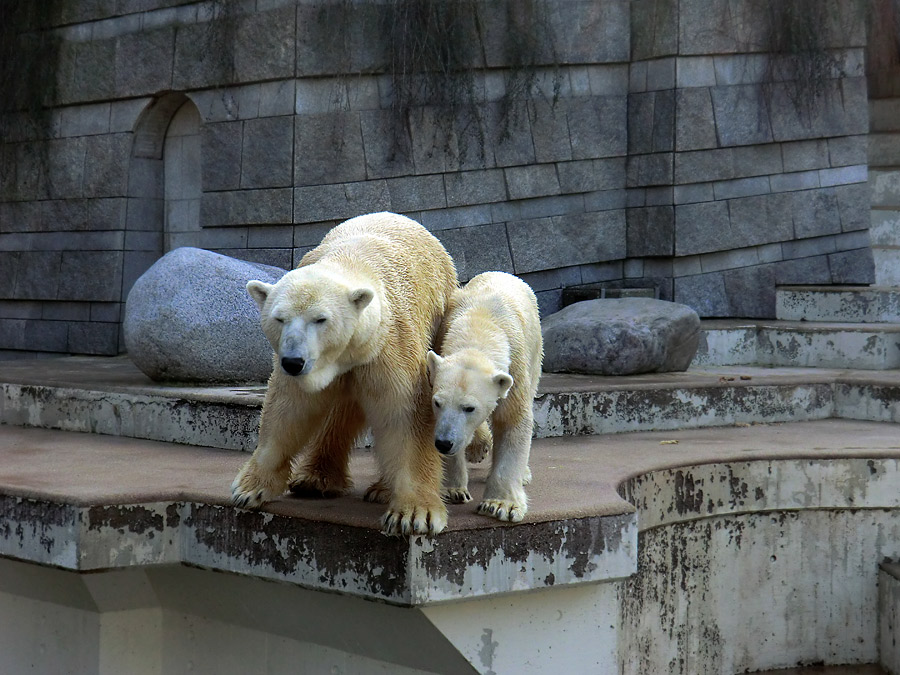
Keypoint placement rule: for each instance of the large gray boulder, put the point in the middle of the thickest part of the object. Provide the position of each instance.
(189, 318)
(620, 337)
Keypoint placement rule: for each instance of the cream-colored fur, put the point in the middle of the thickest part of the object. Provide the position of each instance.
(490, 368)
(350, 328)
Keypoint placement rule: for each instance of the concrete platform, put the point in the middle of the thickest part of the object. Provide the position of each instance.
(852, 304)
(110, 396)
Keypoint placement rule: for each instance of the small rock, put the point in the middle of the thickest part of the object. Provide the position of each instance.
(620, 337)
(189, 318)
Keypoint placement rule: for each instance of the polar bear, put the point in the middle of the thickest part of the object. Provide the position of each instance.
(351, 327)
(490, 368)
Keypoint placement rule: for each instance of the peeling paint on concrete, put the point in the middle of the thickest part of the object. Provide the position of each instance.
(39, 531)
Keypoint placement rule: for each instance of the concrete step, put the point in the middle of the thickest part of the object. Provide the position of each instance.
(840, 304)
(110, 396)
(800, 344)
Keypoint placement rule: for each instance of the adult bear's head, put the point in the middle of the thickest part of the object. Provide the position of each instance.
(314, 317)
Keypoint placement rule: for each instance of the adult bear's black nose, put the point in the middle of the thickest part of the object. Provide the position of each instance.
(445, 447)
(292, 364)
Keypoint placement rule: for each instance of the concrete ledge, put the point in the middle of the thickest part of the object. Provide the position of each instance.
(858, 304)
(889, 616)
(110, 396)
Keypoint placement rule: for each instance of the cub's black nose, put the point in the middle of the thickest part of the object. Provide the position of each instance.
(443, 446)
(292, 365)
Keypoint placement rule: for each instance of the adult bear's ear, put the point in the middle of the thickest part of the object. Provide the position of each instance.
(433, 361)
(503, 382)
(361, 297)
(259, 291)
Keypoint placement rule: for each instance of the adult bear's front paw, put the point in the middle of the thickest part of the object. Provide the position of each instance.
(503, 509)
(251, 489)
(404, 518)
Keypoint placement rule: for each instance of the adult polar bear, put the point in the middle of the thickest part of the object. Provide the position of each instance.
(492, 354)
(350, 328)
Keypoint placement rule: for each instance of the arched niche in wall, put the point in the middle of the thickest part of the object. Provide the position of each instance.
(164, 184)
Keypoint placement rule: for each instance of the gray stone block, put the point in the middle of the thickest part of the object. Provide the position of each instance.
(741, 187)
(620, 337)
(221, 155)
(561, 241)
(552, 279)
(9, 262)
(109, 312)
(276, 98)
(654, 28)
(92, 77)
(270, 236)
(93, 338)
(526, 182)
(605, 200)
(433, 141)
(742, 117)
(65, 167)
(550, 131)
(455, 218)
(844, 175)
(107, 214)
(757, 160)
(590, 175)
(106, 165)
(45, 336)
(189, 318)
(477, 249)
(852, 267)
(664, 121)
(90, 276)
(596, 127)
(815, 212)
(267, 157)
(37, 275)
(246, 207)
(640, 118)
(510, 130)
(328, 148)
(703, 166)
(853, 203)
(758, 220)
(273, 257)
(476, 187)
(651, 231)
(840, 110)
(751, 291)
(202, 58)
(602, 36)
(805, 155)
(224, 237)
(788, 182)
(417, 193)
(695, 125)
(647, 170)
(12, 334)
(661, 74)
(848, 150)
(659, 196)
(699, 227)
(143, 62)
(264, 45)
(388, 151)
(143, 241)
(802, 271)
(704, 293)
(695, 71)
(691, 194)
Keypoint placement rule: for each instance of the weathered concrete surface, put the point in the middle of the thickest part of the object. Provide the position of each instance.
(806, 510)
(800, 344)
(189, 318)
(620, 337)
(850, 304)
(889, 616)
(110, 396)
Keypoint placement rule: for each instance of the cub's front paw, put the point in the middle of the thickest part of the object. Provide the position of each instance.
(456, 495)
(481, 444)
(378, 493)
(252, 488)
(407, 517)
(503, 509)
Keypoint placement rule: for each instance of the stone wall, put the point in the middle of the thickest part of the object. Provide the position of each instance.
(651, 150)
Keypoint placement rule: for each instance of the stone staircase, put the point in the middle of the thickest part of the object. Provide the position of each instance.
(815, 327)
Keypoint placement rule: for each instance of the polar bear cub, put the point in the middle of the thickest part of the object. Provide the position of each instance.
(350, 328)
(490, 368)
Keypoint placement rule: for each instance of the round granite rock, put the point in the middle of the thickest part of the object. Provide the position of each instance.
(620, 337)
(189, 318)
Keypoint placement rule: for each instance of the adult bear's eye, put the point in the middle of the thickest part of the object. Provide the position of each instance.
(437, 404)
(321, 319)
(278, 319)
(468, 408)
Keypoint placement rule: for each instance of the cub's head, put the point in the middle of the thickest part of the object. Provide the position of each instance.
(466, 388)
(310, 317)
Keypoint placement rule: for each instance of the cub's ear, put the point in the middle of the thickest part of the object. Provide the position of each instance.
(259, 291)
(361, 297)
(433, 361)
(503, 382)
